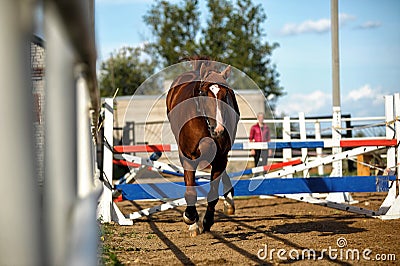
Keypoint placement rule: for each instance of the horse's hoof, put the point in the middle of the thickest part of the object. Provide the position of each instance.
(194, 233)
(190, 221)
(195, 229)
(229, 207)
(229, 210)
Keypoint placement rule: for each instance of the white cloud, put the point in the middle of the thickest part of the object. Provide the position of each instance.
(318, 26)
(366, 92)
(314, 103)
(314, 26)
(362, 92)
(345, 18)
(370, 25)
(365, 101)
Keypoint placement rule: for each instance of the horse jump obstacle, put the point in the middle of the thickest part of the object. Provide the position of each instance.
(311, 144)
(303, 187)
(287, 187)
(263, 186)
(136, 162)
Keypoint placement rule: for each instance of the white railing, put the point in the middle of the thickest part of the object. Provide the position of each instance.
(282, 129)
(313, 126)
(56, 226)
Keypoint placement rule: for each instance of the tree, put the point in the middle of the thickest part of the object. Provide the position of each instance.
(175, 29)
(126, 69)
(233, 35)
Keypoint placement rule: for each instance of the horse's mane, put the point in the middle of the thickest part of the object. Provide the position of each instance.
(197, 60)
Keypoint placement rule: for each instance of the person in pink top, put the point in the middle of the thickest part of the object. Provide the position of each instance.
(260, 133)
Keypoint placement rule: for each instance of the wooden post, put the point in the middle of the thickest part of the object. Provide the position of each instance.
(362, 169)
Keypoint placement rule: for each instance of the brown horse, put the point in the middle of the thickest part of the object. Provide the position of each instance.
(203, 114)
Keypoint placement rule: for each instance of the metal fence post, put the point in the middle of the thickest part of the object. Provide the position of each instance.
(20, 227)
(61, 141)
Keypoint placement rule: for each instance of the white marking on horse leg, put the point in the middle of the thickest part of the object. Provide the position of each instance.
(229, 204)
(229, 195)
(196, 228)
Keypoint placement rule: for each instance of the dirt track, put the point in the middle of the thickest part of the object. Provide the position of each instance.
(259, 225)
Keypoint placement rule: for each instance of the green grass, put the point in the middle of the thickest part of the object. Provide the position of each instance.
(108, 256)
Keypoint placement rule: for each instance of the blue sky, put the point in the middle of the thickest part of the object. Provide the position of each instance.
(369, 43)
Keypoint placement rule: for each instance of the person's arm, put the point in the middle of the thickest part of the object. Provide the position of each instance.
(251, 135)
(251, 138)
(268, 138)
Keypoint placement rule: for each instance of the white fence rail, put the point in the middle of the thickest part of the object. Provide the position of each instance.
(282, 129)
(351, 126)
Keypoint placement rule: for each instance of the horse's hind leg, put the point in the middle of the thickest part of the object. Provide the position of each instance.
(217, 171)
(212, 199)
(229, 204)
(190, 216)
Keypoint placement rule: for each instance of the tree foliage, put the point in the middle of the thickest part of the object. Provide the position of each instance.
(126, 70)
(233, 35)
(175, 28)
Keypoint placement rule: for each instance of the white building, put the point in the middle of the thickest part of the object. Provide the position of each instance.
(143, 118)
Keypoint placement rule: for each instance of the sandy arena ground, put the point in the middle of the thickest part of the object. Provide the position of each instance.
(262, 232)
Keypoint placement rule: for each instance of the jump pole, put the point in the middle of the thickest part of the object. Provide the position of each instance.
(136, 161)
(163, 207)
(266, 186)
(294, 186)
(293, 144)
